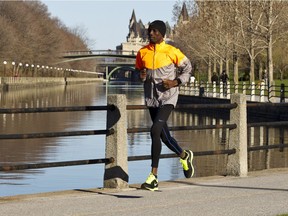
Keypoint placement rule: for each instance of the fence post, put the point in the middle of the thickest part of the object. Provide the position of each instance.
(116, 173)
(252, 91)
(262, 89)
(236, 88)
(207, 89)
(221, 89)
(214, 90)
(282, 93)
(196, 88)
(228, 89)
(244, 88)
(237, 163)
(271, 92)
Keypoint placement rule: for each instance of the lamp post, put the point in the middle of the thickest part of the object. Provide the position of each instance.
(18, 70)
(37, 68)
(42, 71)
(27, 69)
(47, 71)
(5, 62)
(32, 66)
(13, 71)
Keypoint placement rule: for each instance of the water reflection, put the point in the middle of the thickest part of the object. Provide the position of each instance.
(264, 159)
(91, 147)
(49, 149)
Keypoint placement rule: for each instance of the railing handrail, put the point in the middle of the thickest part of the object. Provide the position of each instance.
(57, 134)
(56, 109)
(113, 109)
(224, 91)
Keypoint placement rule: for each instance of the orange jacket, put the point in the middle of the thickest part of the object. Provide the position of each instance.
(161, 61)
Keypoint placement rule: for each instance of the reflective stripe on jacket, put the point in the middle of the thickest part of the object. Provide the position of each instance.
(160, 61)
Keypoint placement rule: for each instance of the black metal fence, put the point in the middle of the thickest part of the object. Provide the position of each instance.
(110, 131)
(259, 92)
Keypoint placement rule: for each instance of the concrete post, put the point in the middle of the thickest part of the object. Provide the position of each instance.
(214, 90)
(237, 163)
(253, 91)
(262, 88)
(196, 88)
(221, 90)
(191, 88)
(272, 92)
(236, 88)
(228, 90)
(244, 88)
(116, 173)
(207, 89)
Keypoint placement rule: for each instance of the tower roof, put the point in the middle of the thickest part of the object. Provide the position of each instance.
(184, 16)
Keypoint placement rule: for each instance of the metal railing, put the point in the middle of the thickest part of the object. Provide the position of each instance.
(260, 92)
(107, 52)
(106, 132)
(111, 161)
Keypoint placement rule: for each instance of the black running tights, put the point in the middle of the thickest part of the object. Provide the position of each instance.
(159, 131)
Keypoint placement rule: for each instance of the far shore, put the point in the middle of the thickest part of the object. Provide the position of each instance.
(9, 83)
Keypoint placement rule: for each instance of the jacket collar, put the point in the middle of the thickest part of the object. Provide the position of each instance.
(157, 46)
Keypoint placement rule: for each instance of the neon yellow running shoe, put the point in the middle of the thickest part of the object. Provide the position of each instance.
(151, 183)
(187, 165)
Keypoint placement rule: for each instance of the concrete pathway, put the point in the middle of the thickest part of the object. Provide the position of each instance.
(261, 193)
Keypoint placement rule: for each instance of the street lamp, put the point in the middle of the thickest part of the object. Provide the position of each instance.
(5, 62)
(36, 70)
(13, 72)
(33, 70)
(26, 69)
(19, 65)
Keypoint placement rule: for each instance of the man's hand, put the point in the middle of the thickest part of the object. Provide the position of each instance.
(170, 83)
(143, 74)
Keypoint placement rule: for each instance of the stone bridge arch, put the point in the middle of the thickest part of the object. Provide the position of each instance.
(114, 70)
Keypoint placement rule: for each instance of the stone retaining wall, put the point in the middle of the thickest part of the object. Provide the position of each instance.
(25, 82)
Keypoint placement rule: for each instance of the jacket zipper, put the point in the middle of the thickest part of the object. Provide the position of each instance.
(153, 73)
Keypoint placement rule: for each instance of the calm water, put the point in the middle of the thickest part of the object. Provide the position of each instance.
(92, 147)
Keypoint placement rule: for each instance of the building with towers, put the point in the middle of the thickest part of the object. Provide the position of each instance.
(137, 36)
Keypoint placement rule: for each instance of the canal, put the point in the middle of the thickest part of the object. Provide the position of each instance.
(92, 147)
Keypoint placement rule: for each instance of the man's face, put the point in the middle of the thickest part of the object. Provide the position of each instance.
(155, 36)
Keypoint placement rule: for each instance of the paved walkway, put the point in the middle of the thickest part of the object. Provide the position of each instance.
(261, 193)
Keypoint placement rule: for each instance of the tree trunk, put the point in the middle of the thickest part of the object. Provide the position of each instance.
(227, 68)
(221, 66)
(236, 76)
(215, 65)
(270, 45)
(252, 63)
(209, 69)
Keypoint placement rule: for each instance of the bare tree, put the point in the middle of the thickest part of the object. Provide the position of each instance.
(221, 31)
(29, 34)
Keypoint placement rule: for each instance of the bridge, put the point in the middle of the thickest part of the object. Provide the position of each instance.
(108, 61)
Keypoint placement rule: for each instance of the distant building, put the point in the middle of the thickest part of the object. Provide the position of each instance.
(184, 16)
(183, 19)
(137, 36)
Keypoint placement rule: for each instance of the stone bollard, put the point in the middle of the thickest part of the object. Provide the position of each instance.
(221, 90)
(214, 94)
(237, 163)
(253, 91)
(228, 90)
(272, 92)
(262, 89)
(116, 173)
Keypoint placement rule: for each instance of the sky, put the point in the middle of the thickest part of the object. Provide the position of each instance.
(105, 22)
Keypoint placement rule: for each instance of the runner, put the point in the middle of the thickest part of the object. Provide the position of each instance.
(156, 64)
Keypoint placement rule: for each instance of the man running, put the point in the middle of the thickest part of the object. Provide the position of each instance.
(157, 64)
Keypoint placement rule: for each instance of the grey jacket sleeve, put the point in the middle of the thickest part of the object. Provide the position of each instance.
(185, 71)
